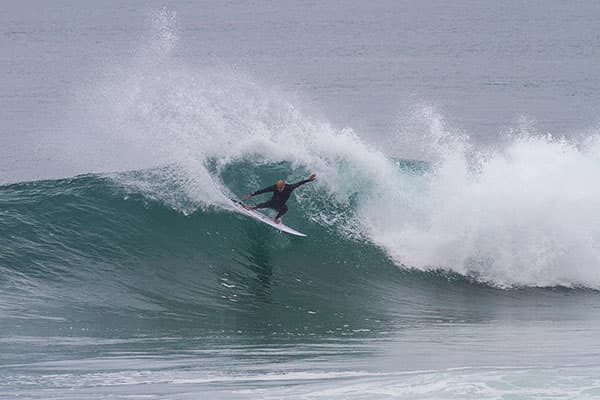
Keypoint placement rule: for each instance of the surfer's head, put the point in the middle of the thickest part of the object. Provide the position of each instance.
(280, 185)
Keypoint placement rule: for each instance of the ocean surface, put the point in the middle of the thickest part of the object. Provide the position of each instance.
(453, 247)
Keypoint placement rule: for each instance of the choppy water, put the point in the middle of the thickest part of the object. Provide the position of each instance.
(453, 234)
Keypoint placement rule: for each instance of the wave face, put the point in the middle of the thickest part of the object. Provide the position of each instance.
(525, 213)
(156, 241)
(118, 280)
(93, 249)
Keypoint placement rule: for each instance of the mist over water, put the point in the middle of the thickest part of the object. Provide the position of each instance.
(448, 255)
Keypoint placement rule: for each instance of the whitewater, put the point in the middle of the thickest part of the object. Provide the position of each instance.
(441, 261)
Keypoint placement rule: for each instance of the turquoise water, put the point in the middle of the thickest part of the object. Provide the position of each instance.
(453, 230)
(108, 293)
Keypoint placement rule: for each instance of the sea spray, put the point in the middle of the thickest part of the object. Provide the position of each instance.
(523, 214)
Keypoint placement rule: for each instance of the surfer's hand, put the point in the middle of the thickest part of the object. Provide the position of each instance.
(246, 197)
(312, 177)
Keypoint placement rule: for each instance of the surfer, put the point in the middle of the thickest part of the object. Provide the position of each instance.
(281, 194)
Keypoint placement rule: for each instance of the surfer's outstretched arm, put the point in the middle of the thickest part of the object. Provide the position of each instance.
(268, 189)
(311, 178)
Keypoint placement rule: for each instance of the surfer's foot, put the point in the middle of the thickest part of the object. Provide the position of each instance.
(249, 207)
(277, 220)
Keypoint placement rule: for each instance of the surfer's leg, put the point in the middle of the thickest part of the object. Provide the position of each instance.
(280, 211)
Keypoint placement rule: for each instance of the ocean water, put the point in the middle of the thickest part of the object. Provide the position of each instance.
(453, 246)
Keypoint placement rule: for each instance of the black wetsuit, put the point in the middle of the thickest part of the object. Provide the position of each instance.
(279, 199)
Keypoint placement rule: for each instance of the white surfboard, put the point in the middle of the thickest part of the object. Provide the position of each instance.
(267, 220)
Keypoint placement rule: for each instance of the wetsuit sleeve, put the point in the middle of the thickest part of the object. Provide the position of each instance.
(265, 190)
(295, 185)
